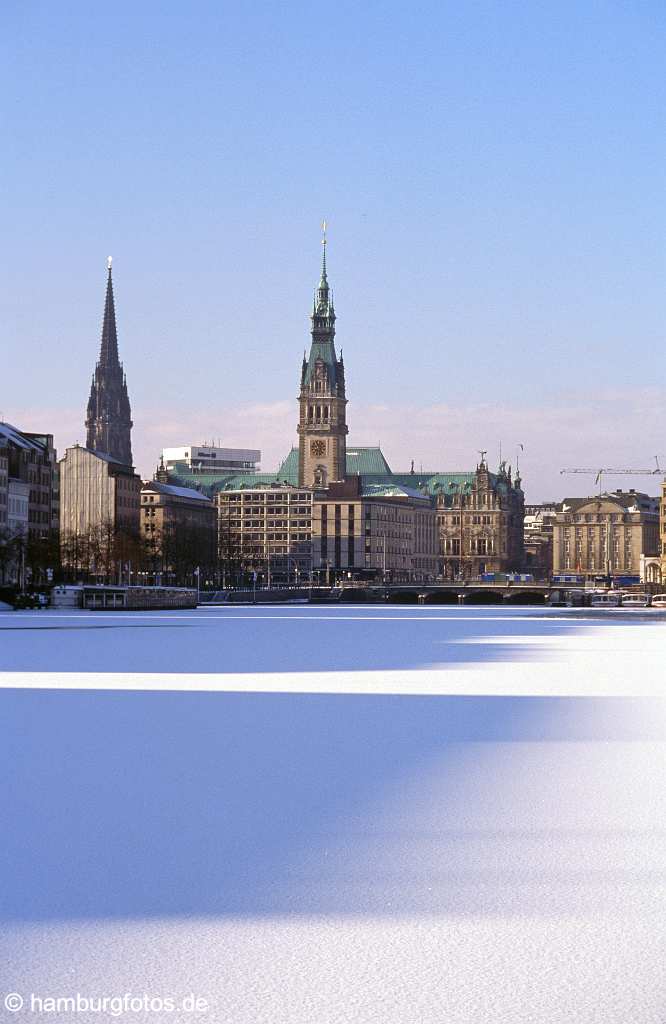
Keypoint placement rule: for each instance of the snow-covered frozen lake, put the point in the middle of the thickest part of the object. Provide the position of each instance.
(337, 814)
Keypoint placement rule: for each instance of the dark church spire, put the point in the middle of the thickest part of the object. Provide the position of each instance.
(109, 417)
(108, 354)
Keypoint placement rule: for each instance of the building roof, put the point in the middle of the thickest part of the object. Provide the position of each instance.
(367, 462)
(177, 492)
(323, 334)
(362, 461)
(433, 484)
(631, 501)
(13, 436)
(390, 491)
(98, 455)
(115, 465)
(185, 453)
(210, 483)
(359, 462)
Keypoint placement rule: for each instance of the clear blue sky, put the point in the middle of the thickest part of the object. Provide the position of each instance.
(493, 177)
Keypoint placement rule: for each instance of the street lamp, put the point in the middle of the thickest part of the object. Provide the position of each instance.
(383, 538)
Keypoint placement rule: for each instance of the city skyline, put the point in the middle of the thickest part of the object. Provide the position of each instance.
(469, 421)
(492, 178)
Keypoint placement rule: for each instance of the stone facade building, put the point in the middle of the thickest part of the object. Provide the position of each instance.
(177, 521)
(374, 531)
(97, 492)
(480, 519)
(28, 505)
(605, 535)
(109, 417)
(31, 459)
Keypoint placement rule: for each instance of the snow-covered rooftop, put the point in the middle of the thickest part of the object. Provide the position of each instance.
(177, 492)
(12, 435)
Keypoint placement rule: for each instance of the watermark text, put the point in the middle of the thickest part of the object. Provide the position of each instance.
(104, 1005)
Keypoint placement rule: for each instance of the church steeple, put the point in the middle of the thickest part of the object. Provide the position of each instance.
(322, 424)
(108, 353)
(109, 416)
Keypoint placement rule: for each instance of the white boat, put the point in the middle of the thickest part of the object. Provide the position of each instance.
(606, 600)
(638, 600)
(659, 601)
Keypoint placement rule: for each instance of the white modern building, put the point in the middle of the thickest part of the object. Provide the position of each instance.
(205, 458)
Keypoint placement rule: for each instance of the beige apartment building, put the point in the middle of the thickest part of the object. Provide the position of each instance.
(97, 491)
(177, 523)
(381, 531)
(265, 528)
(605, 535)
(341, 532)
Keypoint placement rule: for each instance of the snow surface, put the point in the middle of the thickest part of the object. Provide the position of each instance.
(481, 838)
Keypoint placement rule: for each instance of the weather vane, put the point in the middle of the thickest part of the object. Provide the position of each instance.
(323, 228)
(109, 261)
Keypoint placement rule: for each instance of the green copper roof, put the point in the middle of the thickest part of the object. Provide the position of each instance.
(288, 470)
(389, 490)
(210, 483)
(323, 349)
(323, 335)
(368, 463)
(362, 461)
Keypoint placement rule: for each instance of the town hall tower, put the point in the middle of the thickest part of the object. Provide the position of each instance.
(322, 426)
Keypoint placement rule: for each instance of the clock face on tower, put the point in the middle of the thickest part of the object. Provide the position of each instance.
(317, 448)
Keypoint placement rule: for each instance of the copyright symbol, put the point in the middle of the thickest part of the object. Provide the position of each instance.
(13, 1002)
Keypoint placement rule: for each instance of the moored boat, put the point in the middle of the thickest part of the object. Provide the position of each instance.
(607, 599)
(636, 600)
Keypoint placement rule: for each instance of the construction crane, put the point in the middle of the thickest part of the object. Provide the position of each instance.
(598, 474)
